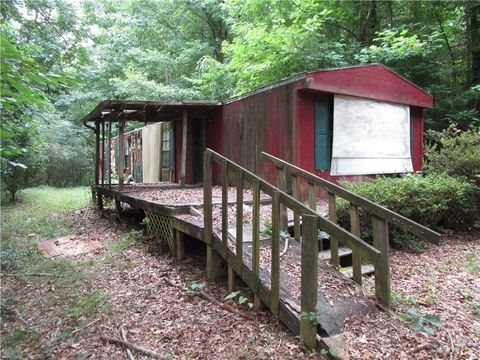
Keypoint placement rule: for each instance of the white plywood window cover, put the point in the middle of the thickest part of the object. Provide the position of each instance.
(370, 137)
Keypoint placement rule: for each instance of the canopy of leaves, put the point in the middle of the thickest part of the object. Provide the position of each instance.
(59, 58)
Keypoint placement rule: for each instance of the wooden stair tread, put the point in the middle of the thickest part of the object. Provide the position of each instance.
(367, 269)
(342, 251)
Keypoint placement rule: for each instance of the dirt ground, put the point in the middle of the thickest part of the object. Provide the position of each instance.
(155, 314)
(138, 295)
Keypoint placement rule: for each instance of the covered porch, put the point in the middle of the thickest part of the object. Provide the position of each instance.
(168, 148)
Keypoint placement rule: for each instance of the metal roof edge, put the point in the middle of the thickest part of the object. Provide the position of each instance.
(264, 88)
(369, 65)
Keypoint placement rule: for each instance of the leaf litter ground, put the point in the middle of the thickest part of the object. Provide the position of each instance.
(443, 280)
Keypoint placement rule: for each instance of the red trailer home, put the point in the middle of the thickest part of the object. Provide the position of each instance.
(336, 123)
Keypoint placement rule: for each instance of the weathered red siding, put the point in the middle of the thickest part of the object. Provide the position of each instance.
(371, 81)
(260, 122)
(416, 117)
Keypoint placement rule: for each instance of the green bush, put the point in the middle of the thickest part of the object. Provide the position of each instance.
(454, 152)
(437, 201)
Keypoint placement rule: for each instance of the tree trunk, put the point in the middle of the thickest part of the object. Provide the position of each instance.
(472, 20)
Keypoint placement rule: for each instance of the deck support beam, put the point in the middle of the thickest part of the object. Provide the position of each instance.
(183, 169)
(180, 245)
(231, 278)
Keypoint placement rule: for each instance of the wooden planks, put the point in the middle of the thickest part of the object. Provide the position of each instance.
(308, 322)
(332, 214)
(256, 234)
(239, 222)
(355, 229)
(275, 265)
(369, 206)
(382, 265)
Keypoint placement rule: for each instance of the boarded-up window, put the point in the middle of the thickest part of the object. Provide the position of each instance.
(323, 132)
(370, 137)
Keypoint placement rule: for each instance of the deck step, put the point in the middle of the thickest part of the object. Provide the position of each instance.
(367, 269)
(342, 252)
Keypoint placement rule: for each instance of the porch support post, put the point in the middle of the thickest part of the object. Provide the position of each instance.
(97, 151)
(103, 152)
(109, 153)
(183, 170)
(121, 155)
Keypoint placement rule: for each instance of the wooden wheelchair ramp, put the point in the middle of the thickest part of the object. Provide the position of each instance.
(299, 284)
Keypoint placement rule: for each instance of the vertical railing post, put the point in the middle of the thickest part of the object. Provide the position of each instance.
(382, 265)
(256, 238)
(282, 185)
(207, 214)
(308, 322)
(296, 217)
(239, 229)
(355, 230)
(275, 269)
(332, 215)
(224, 208)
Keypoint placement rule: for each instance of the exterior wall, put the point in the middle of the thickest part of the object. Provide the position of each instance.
(214, 136)
(371, 81)
(260, 122)
(416, 116)
(305, 142)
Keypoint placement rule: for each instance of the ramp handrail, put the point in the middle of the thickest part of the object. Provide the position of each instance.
(312, 221)
(381, 216)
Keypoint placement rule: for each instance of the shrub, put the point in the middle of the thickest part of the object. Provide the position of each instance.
(454, 152)
(436, 201)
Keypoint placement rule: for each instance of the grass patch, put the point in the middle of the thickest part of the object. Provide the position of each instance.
(125, 242)
(64, 292)
(88, 305)
(39, 215)
(473, 263)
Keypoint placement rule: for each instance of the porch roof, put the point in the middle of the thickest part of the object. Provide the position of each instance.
(146, 111)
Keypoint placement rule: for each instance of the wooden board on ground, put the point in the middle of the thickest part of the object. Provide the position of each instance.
(69, 245)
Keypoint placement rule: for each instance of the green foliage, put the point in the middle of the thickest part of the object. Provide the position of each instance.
(196, 286)
(126, 241)
(454, 152)
(267, 229)
(473, 263)
(421, 322)
(239, 298)
(88, 304)
(436, 201)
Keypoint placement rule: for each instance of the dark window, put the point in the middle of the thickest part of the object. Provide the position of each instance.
(323, 132)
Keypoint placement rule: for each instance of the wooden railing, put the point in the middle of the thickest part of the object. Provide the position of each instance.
(380, 216)
(311, 222)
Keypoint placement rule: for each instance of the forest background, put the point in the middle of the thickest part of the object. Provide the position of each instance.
(60, 58)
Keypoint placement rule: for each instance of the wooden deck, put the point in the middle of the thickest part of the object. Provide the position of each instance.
(244, 223)
(338, 296)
